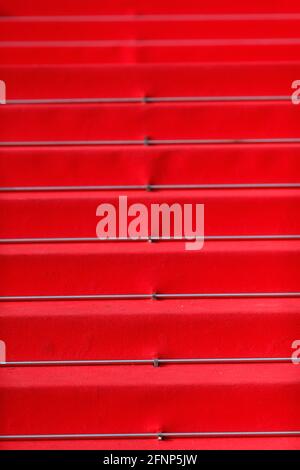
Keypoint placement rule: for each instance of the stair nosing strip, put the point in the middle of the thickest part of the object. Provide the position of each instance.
(148, 142)
(153, 296)
(148, 239)
(159, 435)
(153, 362)
(139, 43)
(156, 17)
(151, 187)
(149, 99)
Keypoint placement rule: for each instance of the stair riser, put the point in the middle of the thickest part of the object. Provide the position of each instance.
(215, 164)
(141, 267)
(226, 212)
(95, 29)
(176, 329)
(139, 80)
(127, 399)
(134, 7)
(157, 121)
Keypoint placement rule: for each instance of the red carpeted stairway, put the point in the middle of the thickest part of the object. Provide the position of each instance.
(128, 344)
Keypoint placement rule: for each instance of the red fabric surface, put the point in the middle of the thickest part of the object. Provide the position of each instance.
(181, 398)
(73, 214)
(76, 7)
(143, 268)
(139, 80)
(132, 52)
(52, 53)
(93, 28)
(157, 121)
(147, 329)
(140, 165)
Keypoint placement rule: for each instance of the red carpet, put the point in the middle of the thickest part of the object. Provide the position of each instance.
(164, 102)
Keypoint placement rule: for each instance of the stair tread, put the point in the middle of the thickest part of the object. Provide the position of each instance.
(142, 268)
(261, 397)
(72, 214)
(138, 80)
(85, 330)
(134, 7)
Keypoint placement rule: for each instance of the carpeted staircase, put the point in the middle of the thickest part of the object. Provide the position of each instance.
(130, 344)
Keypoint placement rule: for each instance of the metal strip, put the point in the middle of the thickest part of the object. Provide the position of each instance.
(136, 43)
(225, 186)
(73, 143)
(147, 99)
(226, 295)
(153, 296)
(157, 17)
(223, 141)
(159, 436)
(151, 187)
(149, 239)
(148, 141)
(154, 362)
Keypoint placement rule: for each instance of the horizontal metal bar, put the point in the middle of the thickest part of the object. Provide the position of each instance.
(153, 296)
(95, 239)
(154, 362)
(137, 43)
(226, 295)
(151, 187)
(147, 99)
(156, 17)
(291, 140)
(225, 186)
(149, 141)
(75, 101)
(79, 297)
(149, 239)
(71, 142)
(155, 435)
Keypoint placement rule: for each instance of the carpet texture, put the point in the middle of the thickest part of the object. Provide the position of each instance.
(162, 102)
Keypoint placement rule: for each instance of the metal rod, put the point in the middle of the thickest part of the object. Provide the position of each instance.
(157, 17)
(136, 43)
(152, 296)
(148, 99)
(148, 141)
(151, 187)
(155, 435)
(228, 295)
(149, 238)
(153, 362)
(288, 140)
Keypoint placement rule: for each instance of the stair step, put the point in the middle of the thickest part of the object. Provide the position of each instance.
(139, 80)
(132, 122)
(95, 28)
(147, 329)
(129, 399)
(144, 268)
(134, 7)
(140, 165)
(228, 212)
